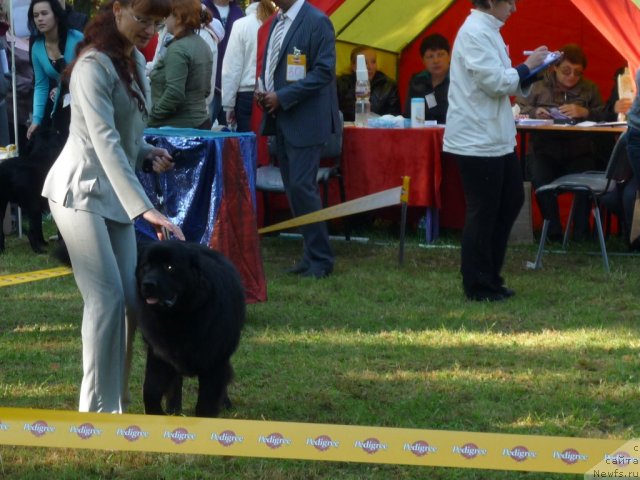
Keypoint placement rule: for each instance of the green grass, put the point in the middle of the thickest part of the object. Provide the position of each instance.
(374, 344)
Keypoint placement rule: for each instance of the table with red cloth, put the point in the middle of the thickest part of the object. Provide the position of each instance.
(210, 194)
(375, 159)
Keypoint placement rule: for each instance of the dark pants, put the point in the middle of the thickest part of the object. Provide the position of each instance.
(217, 113)
(299, 168)
(633, 150)
(552, 160)
(494, 195)
(621, 202)
(244, 106)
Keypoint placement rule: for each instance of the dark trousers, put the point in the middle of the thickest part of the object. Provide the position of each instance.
(299, 168)
(494, 195)
(548, 164)
(633, 150)
(244, 106)
(217, 113)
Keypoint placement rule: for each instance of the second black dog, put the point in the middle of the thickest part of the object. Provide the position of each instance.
(193, 312)
(21, 181)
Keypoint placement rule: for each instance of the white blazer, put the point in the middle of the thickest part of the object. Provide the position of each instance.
(95, 170)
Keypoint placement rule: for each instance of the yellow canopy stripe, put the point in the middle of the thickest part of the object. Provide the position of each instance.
(387, 25)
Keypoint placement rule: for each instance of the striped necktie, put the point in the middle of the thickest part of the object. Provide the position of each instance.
(274, 50)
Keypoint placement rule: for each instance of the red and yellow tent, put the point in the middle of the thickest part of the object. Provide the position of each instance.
(608, 30)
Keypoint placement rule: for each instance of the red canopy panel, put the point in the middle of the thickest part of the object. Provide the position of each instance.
(541, 22)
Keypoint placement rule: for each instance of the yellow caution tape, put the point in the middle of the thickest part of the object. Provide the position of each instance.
(374, 201)
(306, 441)
(15, 279)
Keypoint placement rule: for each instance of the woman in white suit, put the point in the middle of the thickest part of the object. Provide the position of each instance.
(95, 195)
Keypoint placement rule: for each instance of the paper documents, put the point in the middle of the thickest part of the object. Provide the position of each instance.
(549, 60)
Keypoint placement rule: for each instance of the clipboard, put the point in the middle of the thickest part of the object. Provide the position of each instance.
(551, 58)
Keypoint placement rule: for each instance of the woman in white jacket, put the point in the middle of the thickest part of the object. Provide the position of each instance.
(239, 65)
(480, 133)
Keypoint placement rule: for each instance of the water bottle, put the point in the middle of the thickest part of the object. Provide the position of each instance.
(363, 89)
(363, 107)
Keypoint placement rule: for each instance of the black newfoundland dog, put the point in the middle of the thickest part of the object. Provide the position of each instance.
(193, 312)
(21, 181)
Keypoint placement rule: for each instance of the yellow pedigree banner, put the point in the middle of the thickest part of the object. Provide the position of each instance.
(305, 441)
(17, 278)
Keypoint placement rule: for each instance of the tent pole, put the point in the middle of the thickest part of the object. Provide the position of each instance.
(13, 77)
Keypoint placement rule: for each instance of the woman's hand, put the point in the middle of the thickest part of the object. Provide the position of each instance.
(32, 128)
(537, 57)
(574, 111)
(623, 105)
(161, 160)
(161, 223)
(542, 112)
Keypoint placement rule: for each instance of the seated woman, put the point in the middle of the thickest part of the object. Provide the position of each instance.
(563, 94)
(181, 79)
(384, 96)
(432, 83)
(54, 47)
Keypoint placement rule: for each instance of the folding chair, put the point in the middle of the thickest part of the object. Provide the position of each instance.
(269, 178)
(595, 185)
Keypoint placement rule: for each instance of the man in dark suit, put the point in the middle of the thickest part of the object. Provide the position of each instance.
(301, 110)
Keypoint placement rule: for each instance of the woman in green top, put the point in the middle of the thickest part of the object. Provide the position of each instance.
(181, 80)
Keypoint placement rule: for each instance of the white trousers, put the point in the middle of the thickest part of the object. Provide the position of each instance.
(103, 256)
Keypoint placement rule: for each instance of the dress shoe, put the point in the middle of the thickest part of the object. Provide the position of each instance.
(298, 269)
(317, 274)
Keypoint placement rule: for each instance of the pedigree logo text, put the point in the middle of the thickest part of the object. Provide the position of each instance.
(85, 431)
(274, 440)
(419, 448)
(519, 453)
(132, 433)
(227, 438)
(179, 435)
(371, 445)
(570, 456)
(469, 451)
(39, 428)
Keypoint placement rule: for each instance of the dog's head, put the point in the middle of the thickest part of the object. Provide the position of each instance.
(167, 275)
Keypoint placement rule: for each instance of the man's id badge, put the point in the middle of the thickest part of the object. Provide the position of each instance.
(431, 100)
(296, 66)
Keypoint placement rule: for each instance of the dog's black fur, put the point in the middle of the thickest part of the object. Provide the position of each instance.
(192, 314)
(21, 181)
